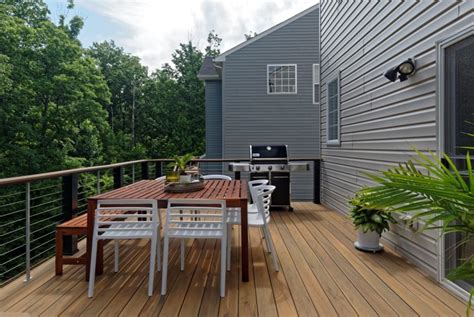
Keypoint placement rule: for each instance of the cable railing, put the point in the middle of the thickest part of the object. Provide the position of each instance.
(32, 206)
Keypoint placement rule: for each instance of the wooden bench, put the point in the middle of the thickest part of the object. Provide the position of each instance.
(76, 226)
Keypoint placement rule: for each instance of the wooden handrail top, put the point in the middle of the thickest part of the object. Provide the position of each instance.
(42, 176)
(48, 175)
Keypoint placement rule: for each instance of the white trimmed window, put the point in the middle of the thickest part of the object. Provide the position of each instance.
(281, 79)
(333, 111)
(316, 84)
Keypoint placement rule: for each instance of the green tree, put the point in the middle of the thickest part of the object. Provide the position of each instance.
(213, 44)
(5, 74)
(125, 77)
(54, 87)
(188, 100)
(32, 13)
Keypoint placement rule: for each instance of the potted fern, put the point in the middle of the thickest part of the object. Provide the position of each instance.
(370, 222)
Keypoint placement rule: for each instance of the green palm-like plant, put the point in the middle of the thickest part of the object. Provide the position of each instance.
(181, 163)
(441, 195)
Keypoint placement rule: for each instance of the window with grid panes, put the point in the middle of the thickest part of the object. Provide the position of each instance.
(282, 79)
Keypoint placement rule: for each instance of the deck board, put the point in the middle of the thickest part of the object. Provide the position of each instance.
(321, 274)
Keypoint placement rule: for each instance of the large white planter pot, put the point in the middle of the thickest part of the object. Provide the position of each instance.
(185, 179)
(368, 241)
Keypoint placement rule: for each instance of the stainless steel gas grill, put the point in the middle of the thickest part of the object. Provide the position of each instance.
(272, 162)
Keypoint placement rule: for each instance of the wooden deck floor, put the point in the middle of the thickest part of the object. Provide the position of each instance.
(322, 274)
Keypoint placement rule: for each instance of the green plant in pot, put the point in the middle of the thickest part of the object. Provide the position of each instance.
(370, 222)
(180, 165)
(439, 194)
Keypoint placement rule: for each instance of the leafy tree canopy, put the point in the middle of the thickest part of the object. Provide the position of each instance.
(54, 87)
(62, 105)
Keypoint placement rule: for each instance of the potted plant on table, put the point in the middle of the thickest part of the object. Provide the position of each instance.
(180, 165)
(371, 222)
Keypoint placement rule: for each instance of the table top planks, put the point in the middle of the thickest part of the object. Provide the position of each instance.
(230, 191)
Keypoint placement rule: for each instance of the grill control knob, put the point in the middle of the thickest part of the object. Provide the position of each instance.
(282, 167)
(270, 168)
(257, 168)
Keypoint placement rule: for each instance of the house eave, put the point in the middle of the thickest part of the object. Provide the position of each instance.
(208, 77)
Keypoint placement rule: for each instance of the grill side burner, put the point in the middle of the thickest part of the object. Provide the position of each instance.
(272, 162)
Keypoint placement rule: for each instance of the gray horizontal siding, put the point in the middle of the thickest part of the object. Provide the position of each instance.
(382, 121)
(250, 116)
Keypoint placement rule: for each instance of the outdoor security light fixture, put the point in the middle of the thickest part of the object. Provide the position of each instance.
(405, 69)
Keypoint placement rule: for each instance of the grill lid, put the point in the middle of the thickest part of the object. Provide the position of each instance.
(269, 153)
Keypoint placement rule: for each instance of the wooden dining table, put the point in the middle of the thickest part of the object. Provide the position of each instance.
(234, 192)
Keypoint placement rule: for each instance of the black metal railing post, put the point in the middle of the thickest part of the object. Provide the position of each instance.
(145, 171)
(317, 182)
(158, 169)
(118, 177)
(70, 203)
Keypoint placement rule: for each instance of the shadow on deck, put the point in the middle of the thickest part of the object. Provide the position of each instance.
(321, 274)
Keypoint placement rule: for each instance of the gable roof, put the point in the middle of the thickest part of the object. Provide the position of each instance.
(221, 58)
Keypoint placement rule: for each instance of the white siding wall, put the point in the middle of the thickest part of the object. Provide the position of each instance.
(382, 121)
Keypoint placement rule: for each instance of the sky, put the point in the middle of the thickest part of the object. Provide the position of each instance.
(153, 29)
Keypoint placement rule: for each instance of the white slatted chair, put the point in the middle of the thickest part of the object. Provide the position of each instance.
(217, 177)
(260, 219)
(253, 186)
(118, 220)
(233, 214)
(211, 224)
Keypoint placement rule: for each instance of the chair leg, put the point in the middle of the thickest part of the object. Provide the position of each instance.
(229, 245)
(182, 254)
(59, 252)
(268, 238)
(223, 264)
(164, 274)
(116, 255)
(151, 274)
(264, 237)
(92, 265)
(158, 250)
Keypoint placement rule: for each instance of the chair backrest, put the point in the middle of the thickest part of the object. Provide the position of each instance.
(264, 198)
(209, 223)
(112, 212)
(217, 177)
(161, 178)
(253, 185)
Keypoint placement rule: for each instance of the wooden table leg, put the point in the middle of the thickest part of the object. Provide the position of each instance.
(59, 252)
(91, 207)
(244, 245)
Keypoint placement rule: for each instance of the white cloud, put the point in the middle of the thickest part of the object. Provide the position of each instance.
(156, 27)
